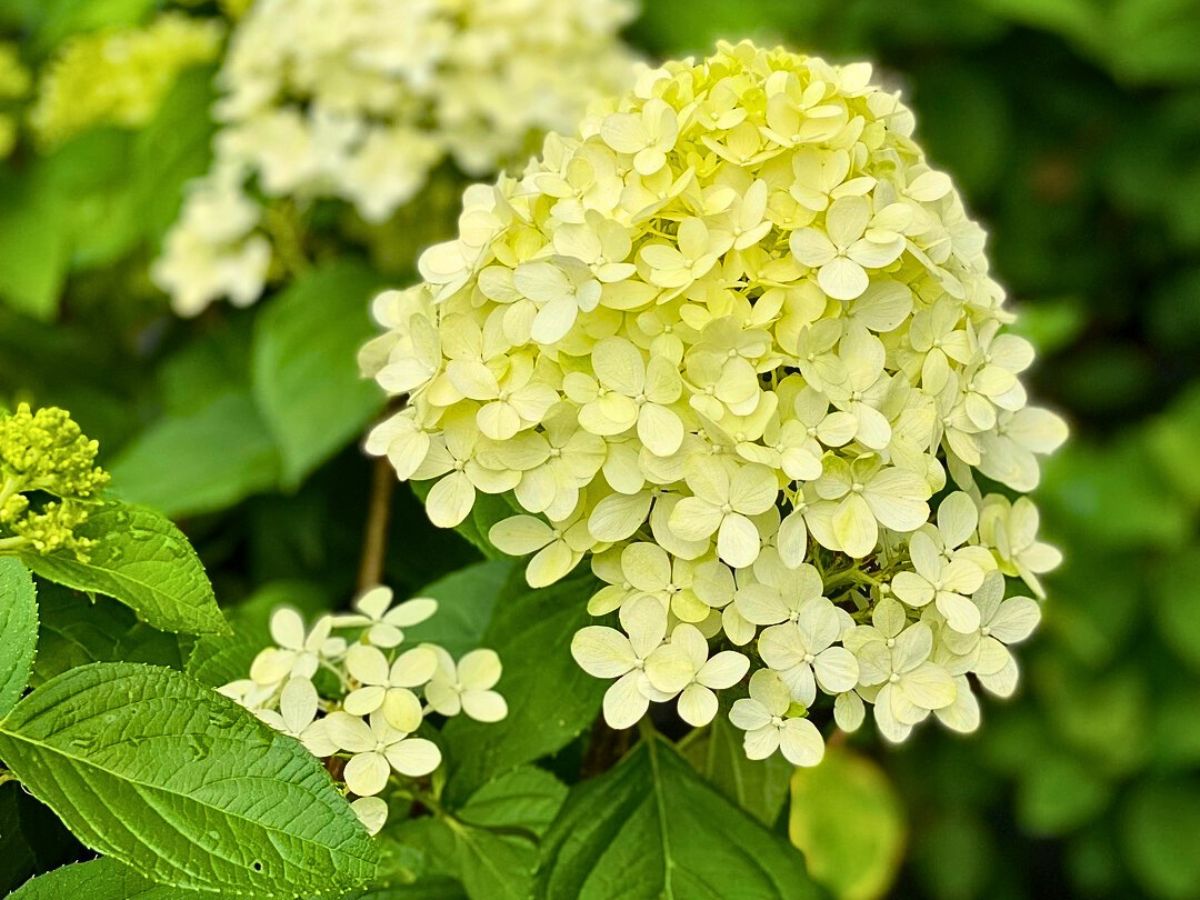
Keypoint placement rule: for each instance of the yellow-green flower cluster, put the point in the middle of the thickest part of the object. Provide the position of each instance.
(118, 76)
(48, 482)
(731, 340)
(362, 700)
(360, 101)
(14, 84)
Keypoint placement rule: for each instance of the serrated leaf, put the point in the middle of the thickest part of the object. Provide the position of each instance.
(652, 828)
(99, 879)
(305, 371)
(198, 462)
(144, 561)
(846, 817)
(149, 767)
(18, 631)
(759, 786)
(551, 700)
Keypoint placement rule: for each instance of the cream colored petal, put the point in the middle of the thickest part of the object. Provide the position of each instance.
(414, 757)
(366, 774)
(372, 812)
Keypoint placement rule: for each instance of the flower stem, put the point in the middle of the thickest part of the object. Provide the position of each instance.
(383, 486)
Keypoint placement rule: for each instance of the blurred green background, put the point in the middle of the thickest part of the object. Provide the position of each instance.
(1073, 128)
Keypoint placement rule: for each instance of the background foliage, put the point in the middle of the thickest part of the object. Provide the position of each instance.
(1072, 126)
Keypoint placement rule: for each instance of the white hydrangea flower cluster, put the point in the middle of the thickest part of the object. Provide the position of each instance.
(382, 692)
(733, 341)
(361, 100)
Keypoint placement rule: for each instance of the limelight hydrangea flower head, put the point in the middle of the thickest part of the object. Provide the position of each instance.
(736, 343)
(355, 692)
(361, 101)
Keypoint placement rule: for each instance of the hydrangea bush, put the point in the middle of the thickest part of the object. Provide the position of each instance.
(734, 342)
(361, 101)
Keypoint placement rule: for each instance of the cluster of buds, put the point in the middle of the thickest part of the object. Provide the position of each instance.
(732, 341)
(354, 692)
(49, 481)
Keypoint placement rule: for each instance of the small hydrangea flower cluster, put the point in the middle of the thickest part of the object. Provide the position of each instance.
(730, 341)
(361, 701)
(49, 482)
(118, 76)
(360, 101)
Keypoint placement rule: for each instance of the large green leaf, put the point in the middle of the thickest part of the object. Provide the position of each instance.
(202, 461)
(144, 561)
(306, 377)
(151, 768)
(100, 879)
(466, 604)
(652, 828)
(551, 700)
(18, 631)
(848, 820)
(759, 786)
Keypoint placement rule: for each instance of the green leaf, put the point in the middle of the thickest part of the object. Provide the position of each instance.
(199, 462)
(149, 767)
(76, 630)
(466, 600)
(18, 631)
(145, 562)
(846, 817)
(33, 244)
(1161, 834)
(172, 149)
(551, 700)
(490, 844)
(305, 373)
(652, 828)
(487, 511)
(759, 786)
(91, 174)
(99, 879)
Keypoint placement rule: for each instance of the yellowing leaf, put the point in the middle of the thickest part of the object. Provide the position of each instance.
(847, 819)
